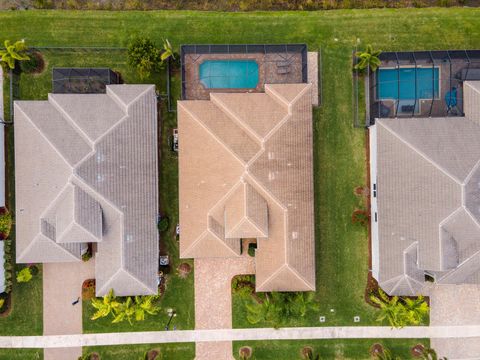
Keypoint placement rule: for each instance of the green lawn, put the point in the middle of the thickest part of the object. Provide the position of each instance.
(183, 351)
(327, 349)
(342, 261)
(21, 354)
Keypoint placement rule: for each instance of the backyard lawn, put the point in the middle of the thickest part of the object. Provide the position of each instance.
(342, 249)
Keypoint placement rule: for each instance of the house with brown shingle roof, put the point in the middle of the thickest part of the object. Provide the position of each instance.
(246, 172)
(425, 197)
(87, 172)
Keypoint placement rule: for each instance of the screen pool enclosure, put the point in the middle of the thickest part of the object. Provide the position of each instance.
(421, 83)
(83, 80)
(280, 62)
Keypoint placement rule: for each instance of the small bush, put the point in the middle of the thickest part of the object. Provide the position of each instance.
(24, 275)
(34, 270)
(5, 224)
(163, 224)
(144, 56)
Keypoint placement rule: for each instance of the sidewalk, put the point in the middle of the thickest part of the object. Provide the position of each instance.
(159, 337)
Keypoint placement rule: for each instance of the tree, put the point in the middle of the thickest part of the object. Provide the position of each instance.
(13, 52)
(266, 311)
(145, 304)
(368, 59)
(144, 56)
(430, 354)
(125, 310)
(400, 312)
(391, 309)
(167, 51)
(24, 275)
(416, 310)
(105, 306)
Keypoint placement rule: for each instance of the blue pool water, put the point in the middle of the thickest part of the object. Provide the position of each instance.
(427, 83)
(229, 74)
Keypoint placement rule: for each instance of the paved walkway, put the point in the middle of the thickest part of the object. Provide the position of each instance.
(62, 284)
(159, 337)
(455, 305)
(213, 301)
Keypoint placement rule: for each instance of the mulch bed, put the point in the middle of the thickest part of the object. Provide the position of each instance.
(7, 306)
(362, 191)
(376, 349)
(417, 350)
(152, 354)
(88, 289)
(183, 270)
(94, 356)
(306, 351)
(245, 351)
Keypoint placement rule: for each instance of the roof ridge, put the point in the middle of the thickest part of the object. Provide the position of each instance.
(424, 156)
(66, 116)
(43, 135)
(224, 108)
(194, 117)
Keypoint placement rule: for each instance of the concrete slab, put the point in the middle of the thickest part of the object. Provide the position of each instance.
(62, 285)
(455, 305)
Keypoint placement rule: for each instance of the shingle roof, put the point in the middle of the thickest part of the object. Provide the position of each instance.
(427, 198)
(86, 169)
(246, 167)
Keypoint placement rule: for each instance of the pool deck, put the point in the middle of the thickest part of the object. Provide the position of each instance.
(273, 68)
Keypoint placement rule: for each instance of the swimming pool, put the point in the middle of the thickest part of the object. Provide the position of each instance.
(426, 84)
(229, 74)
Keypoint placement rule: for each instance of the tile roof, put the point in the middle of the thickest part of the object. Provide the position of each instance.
(428, 201)
(246, 170)
(87, 171)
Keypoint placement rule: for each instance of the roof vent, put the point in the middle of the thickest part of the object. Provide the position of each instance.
(100, 178)
(129, 237)
(100, 157)
(271, 155)
(294, 234)
(271, 175)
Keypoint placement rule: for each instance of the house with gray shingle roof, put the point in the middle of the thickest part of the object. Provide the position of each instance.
(87, 172)
(425, 199)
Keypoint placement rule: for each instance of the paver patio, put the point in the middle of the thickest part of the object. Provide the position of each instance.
(62, 284)
(213, 301)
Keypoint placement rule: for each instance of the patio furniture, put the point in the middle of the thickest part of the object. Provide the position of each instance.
(283, 70)
(407, 108)
(283, 63)
(451, 98)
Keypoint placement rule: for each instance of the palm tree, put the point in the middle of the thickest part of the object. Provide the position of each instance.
(368, 59)
(266, 311)
(145, 304)
(12, 52)
(105, 306)
(304, 302)
(430, 354)
(125, 310)
(167, 51)
(391, 309)
(416, 310)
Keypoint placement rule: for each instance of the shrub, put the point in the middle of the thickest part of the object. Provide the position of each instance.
(5, 224)
(144, 56)
(24, 275)
(163, 224)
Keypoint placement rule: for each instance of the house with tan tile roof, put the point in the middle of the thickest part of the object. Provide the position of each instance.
(246, 172)
(87, 172)
(425, 197)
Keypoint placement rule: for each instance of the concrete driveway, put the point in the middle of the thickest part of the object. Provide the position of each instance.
(455, 305)
(62, 284)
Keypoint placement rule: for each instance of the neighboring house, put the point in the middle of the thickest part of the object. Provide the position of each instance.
(86, 171)
(425, 196)
(246, 172)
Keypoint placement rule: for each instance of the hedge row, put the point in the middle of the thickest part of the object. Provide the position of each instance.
(228, 5)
